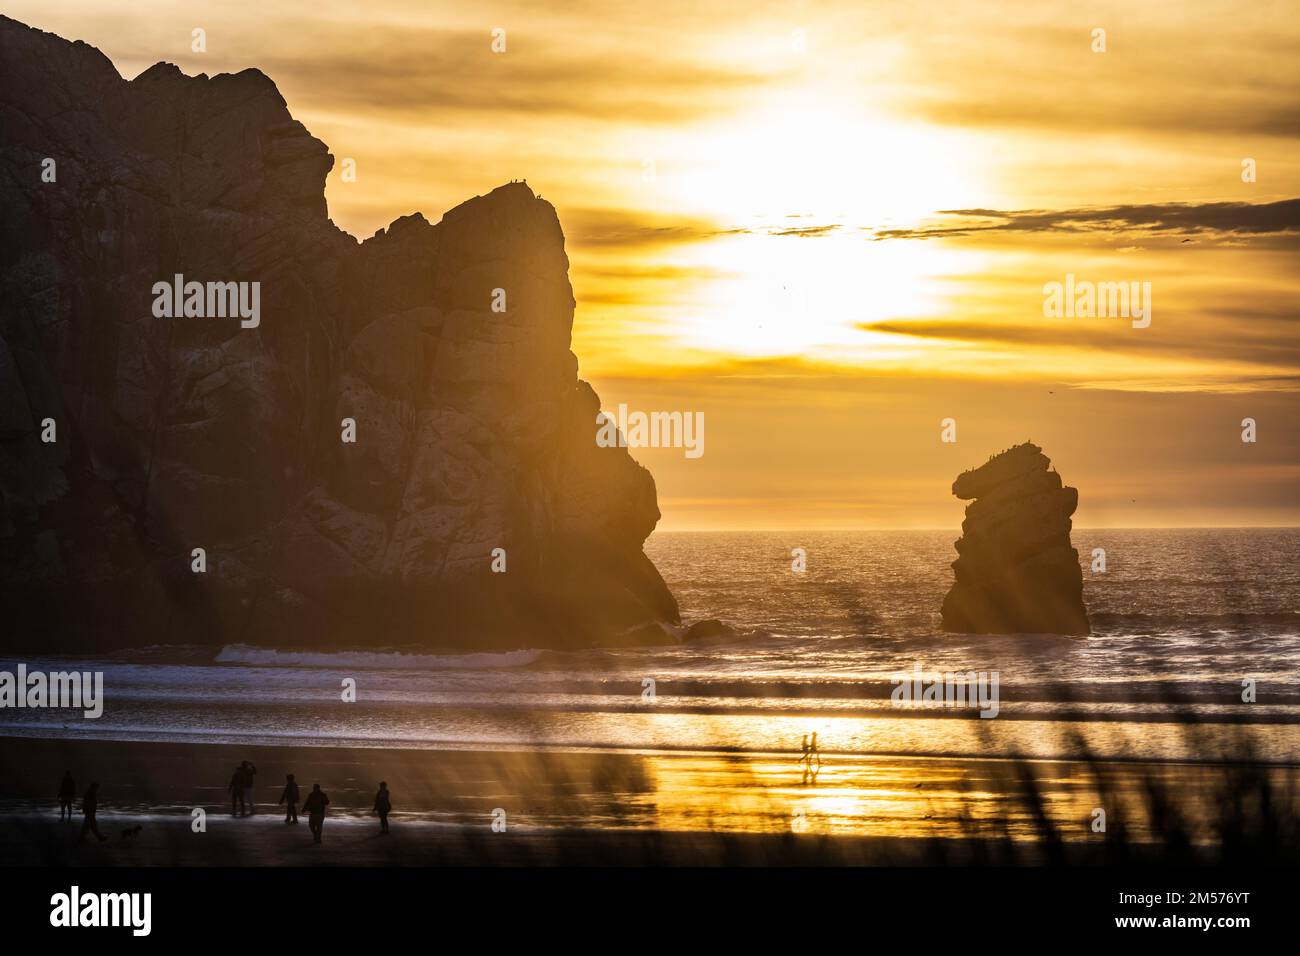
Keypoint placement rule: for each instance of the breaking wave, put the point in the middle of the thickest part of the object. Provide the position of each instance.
(372, 660)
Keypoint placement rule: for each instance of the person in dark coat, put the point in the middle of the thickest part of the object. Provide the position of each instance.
(383, 806)
(249, 773)
(290, 799)
(314, 806)
(237, 791)
(67, 793)
(89, 807)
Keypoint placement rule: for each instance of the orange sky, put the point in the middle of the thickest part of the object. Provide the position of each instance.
(828, 225)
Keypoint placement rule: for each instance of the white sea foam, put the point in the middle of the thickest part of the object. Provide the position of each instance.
(267, 657)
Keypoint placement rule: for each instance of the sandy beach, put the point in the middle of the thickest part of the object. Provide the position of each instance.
(585, 807)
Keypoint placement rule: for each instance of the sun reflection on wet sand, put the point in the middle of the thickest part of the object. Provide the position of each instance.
(916, 797)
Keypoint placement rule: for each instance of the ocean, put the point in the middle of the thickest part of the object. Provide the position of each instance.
(1181, 618)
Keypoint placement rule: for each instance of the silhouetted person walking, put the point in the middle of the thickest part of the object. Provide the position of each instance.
(290, 799)
(814, 753)
(314, 806)
(89, 807)
(383, 806)
(249, 773)
(67, 793)
(237, 791)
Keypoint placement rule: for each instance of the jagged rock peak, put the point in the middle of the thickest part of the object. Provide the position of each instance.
(1016, 571)
(1005, 466)
(474, 507)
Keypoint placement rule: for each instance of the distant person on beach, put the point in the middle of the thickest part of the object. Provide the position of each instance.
(237, 792)
(383, 806)
(314, 806)
(290, 799)
(249, 773)
(89, 807)
(67, 793)
(811, 758)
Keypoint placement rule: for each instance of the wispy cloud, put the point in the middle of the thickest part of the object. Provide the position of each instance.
(438, 75)
(631, 229)
(1223, 218)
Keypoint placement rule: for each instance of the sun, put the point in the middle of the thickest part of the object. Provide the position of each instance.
(798, 189)
(783, 294)
(818, 156)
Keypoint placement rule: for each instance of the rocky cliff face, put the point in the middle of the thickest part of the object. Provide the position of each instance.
(1016, 571)
(473, 431)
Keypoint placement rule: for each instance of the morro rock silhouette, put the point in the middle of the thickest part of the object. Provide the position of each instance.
(473, 431)
(1016, 571)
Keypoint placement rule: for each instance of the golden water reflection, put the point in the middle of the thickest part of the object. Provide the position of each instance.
(925, 797)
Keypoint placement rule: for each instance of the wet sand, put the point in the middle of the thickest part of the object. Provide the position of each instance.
(569, 808)
(28, 841)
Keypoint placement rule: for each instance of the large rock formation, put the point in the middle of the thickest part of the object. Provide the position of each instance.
(1016, 571)
(473, 431)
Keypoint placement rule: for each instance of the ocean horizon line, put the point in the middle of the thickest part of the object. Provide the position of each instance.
(1077, 527)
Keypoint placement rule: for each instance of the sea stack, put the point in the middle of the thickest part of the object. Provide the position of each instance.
(1016, 571)
(392, 449)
